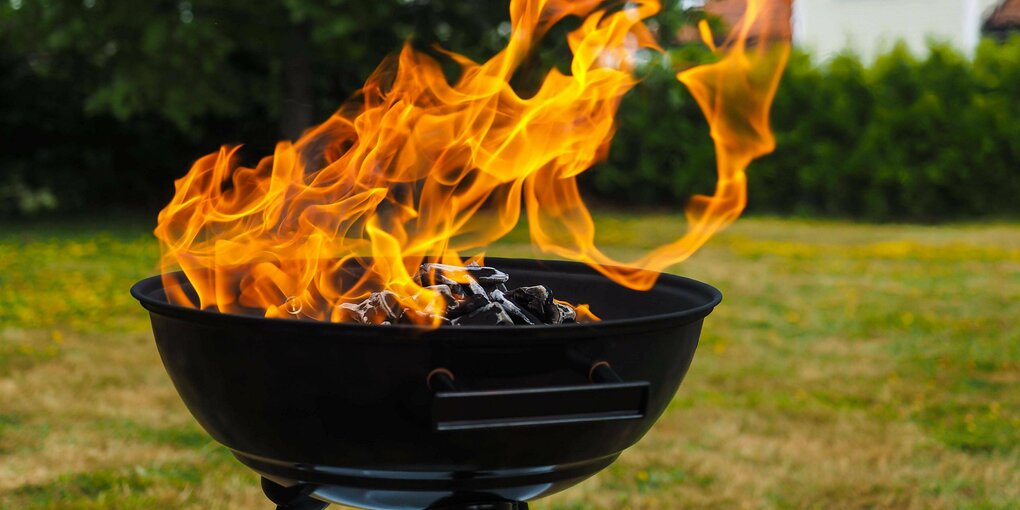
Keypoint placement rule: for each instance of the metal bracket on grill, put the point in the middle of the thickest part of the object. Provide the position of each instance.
(607, 398)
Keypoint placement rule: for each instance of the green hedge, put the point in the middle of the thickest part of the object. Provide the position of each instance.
(902, 139)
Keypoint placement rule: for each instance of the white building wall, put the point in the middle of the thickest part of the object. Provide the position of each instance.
(870, 27)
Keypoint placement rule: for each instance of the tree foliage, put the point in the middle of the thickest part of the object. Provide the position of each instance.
(105, 102)
(108, 101)
(188, 60)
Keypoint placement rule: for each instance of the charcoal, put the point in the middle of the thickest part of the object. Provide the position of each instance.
(467, 306)
(435, 274)
(562, 314)
(481, 274)
(442, 279)
(388, 305)
(474, 288)
(480, 279)
(350, 312)
(445, 291)
(485, 275)
(456, 290)
(447, 294)
(418, 317)
(478, 296)
(518, 314)
(379, 308)
(490, 314)
(537, 299)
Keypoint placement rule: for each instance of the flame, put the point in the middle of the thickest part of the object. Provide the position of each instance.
(414, 168)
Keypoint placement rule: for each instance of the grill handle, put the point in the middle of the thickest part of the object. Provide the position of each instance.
(607, 398)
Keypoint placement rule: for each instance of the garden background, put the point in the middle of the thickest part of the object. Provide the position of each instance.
(867, 354)
(103, 105)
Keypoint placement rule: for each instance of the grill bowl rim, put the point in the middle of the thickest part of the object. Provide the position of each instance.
(148, 292)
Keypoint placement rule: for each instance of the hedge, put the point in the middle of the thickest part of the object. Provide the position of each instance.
(904, 138)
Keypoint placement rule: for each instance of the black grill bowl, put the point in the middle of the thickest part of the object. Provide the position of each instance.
(348, 408)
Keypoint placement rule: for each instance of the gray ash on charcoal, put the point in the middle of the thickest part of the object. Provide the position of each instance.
(473, 295)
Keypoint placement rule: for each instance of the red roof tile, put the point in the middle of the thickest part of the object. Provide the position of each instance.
(772, 24)
(1005, 16)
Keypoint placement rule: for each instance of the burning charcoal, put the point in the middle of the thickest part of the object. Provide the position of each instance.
(562, 314)
(448, 299)
(459, 288)
(474, 287)
(445, 291)
(456, 291)
(518, 314)
(418, 317)
(467, 306)
(472, 294)
(486, 275)
(379, 308)
(481, 274)
(350, 312)
(537, 300)
(435, 274)
(387, 303)
(477, 277)
(426, 278)
(490, 314)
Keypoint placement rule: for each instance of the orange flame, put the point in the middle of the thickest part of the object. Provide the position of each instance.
(415, 169)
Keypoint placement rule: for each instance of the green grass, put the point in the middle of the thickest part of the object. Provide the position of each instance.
(849, 366)
(126, 488)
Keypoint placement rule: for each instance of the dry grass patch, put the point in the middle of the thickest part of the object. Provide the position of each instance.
(849, 366)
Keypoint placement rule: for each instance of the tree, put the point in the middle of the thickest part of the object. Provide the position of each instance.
(187, 60)
(106, 101)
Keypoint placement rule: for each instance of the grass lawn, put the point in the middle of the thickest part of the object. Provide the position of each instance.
(849, 366)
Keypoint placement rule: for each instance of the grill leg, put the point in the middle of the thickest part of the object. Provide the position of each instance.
(291, 498)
